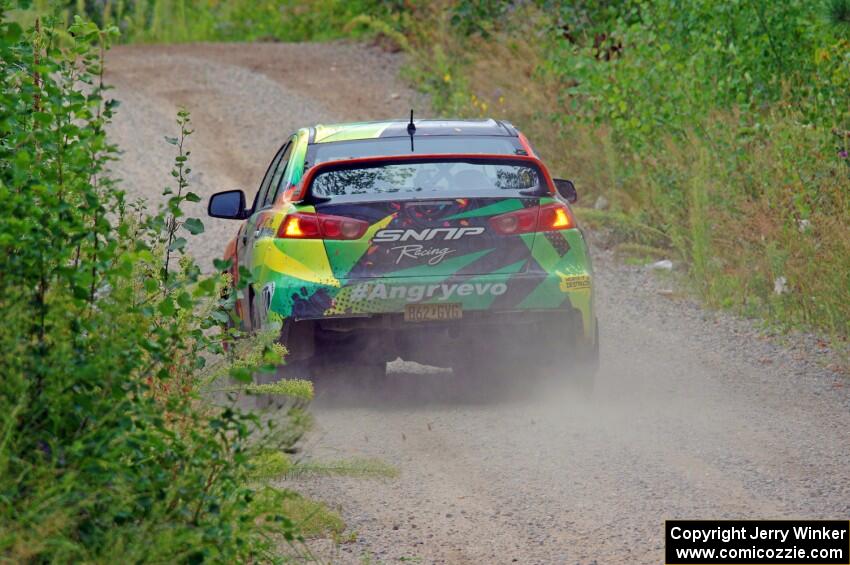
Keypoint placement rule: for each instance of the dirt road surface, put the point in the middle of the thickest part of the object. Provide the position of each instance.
(697, 414)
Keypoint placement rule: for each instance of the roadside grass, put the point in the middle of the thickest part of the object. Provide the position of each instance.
(312, 518)
(621, 228)
(277, 464)
(110, 451)
(756, 207)
(640, 254)
(183, 21)
(355, 467)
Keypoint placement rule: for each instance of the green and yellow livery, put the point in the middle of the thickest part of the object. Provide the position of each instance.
(443, 242)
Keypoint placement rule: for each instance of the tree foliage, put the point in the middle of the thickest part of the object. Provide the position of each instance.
(106, 451)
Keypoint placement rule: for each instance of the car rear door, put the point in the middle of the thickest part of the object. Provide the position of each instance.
(252, 231)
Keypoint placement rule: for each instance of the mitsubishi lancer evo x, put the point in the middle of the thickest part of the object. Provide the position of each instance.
(447, 243)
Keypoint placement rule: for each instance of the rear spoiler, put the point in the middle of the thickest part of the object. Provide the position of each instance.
(298, 192)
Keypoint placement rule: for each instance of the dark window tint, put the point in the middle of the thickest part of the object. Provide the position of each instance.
(278, 177)
(422, 145)
(428, 178)
(260, 198)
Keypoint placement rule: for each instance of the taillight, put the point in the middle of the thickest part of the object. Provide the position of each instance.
(335, 227)
(550, 217)
(555, 217)
(321, 226)
(300, 226)
(521, 221)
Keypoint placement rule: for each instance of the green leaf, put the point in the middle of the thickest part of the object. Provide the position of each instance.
(12, 30)
(184, 300)
(191, 196)
(178, 244)
(171, 140)
(220, 316)
(166, 307)
(222, 264)
(241, 374)
(194, 226)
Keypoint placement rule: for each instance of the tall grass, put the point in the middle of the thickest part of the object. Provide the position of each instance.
(180, 21)
(753, 199)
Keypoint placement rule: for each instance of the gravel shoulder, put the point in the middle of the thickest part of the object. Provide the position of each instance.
(697, 414)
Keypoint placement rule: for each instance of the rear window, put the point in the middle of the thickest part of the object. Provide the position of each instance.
(422, 145)
(429, 178)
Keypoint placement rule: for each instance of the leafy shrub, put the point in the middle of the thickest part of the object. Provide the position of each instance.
(107, 451)
(725, 119)
(177, 21)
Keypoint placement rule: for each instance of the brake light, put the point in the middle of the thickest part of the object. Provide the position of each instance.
(550, 217)
(321, 226)
(335, 227)
(555, 217)
(521, 221)
(300, 226)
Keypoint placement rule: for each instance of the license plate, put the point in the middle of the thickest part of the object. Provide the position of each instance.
(432, 312)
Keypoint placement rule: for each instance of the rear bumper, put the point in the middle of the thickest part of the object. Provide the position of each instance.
(366, 317)
(527, 335)
(483, 298)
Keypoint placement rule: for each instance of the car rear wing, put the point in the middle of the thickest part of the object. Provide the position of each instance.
(300, 191)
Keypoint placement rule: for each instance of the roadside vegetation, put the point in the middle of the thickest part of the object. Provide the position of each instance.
(121, 438)
(717, 132)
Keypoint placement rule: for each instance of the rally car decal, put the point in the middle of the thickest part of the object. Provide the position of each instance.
(316, 279)
(413, 251)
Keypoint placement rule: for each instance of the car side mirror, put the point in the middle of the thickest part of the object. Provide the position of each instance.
(229, 205)
(567, 189)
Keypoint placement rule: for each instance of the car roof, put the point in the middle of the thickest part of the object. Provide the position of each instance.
(329, 133)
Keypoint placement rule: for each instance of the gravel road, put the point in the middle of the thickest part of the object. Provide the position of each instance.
(697, 414)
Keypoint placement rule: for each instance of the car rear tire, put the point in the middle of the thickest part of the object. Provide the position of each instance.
(584, 366)
(566, 354)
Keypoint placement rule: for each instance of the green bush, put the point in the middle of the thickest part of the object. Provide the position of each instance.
(178, 21)
(730, 122)
(107, 450)
(664, 66)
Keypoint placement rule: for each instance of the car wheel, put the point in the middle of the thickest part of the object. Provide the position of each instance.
(254, 315)
(565, 353)
(584, 366)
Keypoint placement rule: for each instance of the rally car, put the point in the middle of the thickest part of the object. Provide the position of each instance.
(442, 242)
